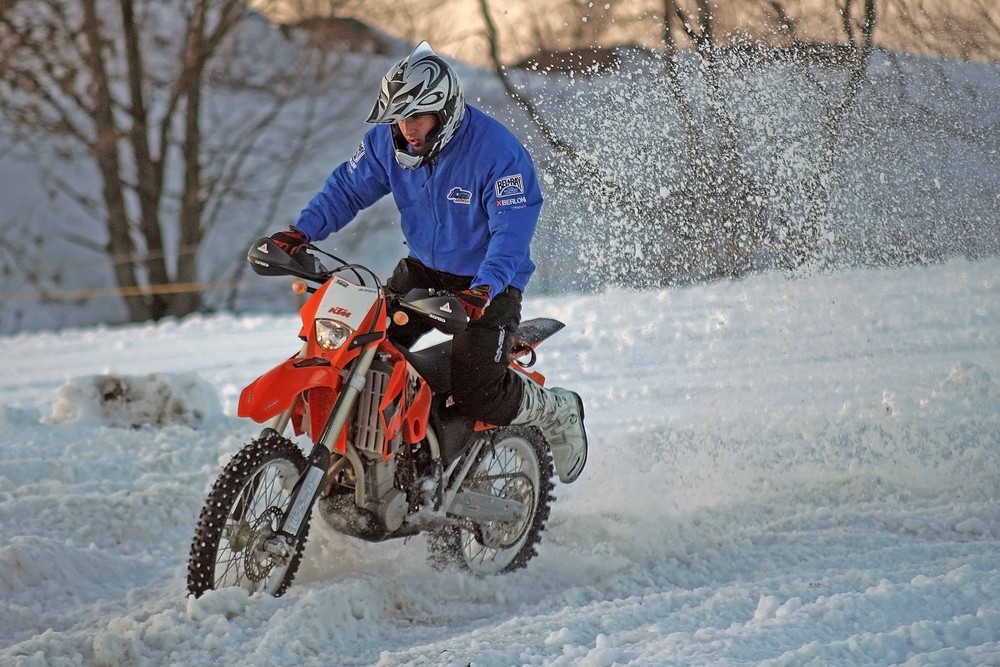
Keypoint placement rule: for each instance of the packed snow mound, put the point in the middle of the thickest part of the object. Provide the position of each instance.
(133, 401)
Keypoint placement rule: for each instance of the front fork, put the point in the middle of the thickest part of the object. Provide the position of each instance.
(310, 482)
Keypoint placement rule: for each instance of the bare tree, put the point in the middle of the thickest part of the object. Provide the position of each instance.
(702, 223)
(726, 225)
(126, 86)
(716, 213)
(962, 29)
(858, 24)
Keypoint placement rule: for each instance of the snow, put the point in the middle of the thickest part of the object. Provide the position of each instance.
(782, 472)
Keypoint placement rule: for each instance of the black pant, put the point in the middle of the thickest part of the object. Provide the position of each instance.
(482, 384)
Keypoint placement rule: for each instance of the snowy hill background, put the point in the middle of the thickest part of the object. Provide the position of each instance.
(917, 180)
(783, 472)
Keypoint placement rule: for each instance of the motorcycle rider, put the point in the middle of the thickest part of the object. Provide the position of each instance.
(469, 200)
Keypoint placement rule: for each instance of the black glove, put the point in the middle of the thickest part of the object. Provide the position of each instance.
(291, 240)
(475, 300)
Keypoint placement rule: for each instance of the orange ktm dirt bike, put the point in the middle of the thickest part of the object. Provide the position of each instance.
(389, 458)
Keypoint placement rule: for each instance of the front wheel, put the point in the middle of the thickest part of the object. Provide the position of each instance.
(515, 465)
(233, 543)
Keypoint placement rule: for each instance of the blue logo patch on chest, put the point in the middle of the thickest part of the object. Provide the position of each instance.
(460, 196)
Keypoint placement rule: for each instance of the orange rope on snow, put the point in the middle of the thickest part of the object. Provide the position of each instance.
(98, 292)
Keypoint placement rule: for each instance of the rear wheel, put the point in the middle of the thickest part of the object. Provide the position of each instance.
(231, 544)
(516, 465)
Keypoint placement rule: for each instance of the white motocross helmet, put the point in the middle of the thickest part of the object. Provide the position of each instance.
(423, 82)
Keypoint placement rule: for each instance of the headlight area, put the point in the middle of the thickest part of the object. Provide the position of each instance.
(331, 334)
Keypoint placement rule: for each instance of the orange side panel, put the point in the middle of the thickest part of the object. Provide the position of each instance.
(417, 415)
(393, 419)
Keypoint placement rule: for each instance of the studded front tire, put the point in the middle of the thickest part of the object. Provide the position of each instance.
(233, 543)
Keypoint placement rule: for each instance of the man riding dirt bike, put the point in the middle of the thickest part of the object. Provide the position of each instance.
(456, 441)
(469, 201)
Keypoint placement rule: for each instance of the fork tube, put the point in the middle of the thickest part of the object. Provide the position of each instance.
(311, 481)
(342, 408)
(305, 493)
(280, 421)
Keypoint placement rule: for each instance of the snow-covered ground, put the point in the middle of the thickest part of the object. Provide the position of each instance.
(783, 472)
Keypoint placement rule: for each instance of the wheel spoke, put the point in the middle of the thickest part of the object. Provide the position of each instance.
(260, 504)
(242, 511)
(510, 469)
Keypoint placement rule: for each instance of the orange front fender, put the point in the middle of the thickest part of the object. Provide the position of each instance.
(273, 392)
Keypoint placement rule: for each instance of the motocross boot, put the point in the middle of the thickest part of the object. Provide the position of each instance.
(558, 413)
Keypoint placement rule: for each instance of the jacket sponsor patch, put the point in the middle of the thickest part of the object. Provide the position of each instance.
(510, 186)
(358, 154)
(460, 196)
(512, 201)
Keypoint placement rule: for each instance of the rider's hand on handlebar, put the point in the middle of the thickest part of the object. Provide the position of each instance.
(475, 300)
(291, 240)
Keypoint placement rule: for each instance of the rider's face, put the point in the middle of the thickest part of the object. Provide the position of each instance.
(416, 128)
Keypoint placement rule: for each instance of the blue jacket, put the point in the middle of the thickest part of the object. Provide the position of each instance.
(472, 212)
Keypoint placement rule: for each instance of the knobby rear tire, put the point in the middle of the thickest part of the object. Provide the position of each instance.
(243, 508)
(518, 464)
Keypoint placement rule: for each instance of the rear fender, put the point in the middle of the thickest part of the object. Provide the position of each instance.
(529, 335)
(274, 392)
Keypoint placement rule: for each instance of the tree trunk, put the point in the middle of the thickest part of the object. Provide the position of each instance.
(104, 148)
(818, 196)
(149, 174)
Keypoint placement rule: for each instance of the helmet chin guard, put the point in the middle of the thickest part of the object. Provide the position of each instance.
(423, 82)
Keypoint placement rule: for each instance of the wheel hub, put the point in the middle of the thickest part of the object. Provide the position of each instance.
(239, 535)
(504, 534)
(257, 562)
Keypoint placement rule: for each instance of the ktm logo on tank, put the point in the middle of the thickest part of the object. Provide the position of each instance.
(337, 310)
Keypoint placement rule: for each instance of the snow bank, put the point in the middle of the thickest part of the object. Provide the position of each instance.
(128, 401)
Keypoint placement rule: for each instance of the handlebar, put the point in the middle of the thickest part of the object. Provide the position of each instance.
(441, 308)
(268, 259)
